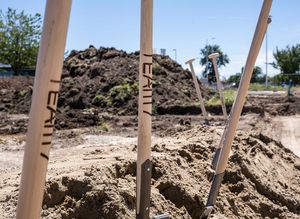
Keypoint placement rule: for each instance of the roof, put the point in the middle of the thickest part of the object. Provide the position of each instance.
(4, 65)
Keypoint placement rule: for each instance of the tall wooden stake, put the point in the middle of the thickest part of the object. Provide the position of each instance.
(144, 113)
(43, 108)
(214, 57)
(202, 106)
(230, 129)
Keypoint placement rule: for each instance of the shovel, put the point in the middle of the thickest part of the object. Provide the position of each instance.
(43, 108)
(231, 127)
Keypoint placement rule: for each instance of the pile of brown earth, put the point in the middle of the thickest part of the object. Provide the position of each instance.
(15, 94)
(106, 80)
(98, 84)
(98, 180)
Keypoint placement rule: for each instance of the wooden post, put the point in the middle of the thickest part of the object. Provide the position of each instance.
(43, 108)
(144, 113)
(214, 57)
(202, 106)
(230, 129)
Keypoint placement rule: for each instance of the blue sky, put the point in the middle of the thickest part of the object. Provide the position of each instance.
(184, 25)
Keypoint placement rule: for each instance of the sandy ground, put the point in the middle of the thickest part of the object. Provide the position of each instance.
(91, 174)
(287, 130)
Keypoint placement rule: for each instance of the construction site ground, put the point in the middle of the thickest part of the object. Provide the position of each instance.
(91, 172)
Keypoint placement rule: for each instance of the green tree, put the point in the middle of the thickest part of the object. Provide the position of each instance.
(222, 60)
(279, 79)
(19, 39)
(234, 78)
(288, 61)
(257, 76)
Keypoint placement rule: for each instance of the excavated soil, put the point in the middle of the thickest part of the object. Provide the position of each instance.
(275, 105)
(105, 80)
(100, 84)
(265, 107)
(96, 179)
(92, 169)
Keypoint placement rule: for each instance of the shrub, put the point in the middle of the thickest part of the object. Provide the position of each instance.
(121, 93)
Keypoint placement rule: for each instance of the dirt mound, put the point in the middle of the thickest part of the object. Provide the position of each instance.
(15, 94)
(261, 182)
(104, 80)
(108, 78)
(262, 179)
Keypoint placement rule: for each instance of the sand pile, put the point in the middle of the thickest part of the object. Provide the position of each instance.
(262, 179)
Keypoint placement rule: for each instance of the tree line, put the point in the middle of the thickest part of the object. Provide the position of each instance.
(286, 60)
(20, 34)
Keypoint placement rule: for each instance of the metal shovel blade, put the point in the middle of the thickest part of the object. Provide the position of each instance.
(207, 212)
(162, 216)
(216, 158)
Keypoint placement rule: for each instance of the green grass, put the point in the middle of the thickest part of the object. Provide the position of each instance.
(104, 127)
(229, 96)
(117, 95)
(262, 87)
